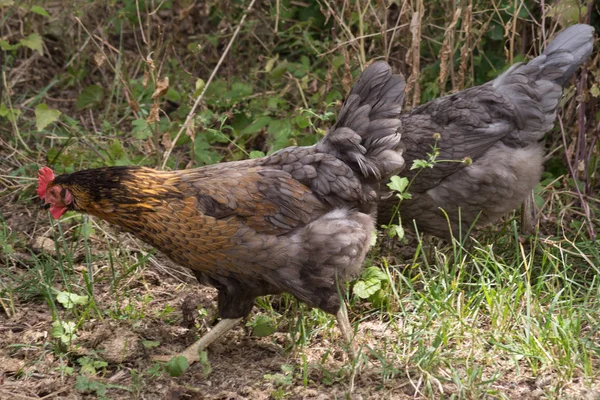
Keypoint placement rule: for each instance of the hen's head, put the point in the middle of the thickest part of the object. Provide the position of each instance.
(56, 196)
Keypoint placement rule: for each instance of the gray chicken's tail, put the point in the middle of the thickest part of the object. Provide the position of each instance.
(559, 61)
(566, 53)
(535, 88)
(366, 133)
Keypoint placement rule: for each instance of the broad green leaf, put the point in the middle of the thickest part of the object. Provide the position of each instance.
(203, 152)
(89, 96)
(199, 87)
(176, 366)
(239, 91)
(281, 130)
(256, 126)
(40, 11)
(398, 184)
(141, 130)
(85, 384)
(375, 273)
(65, 331)
(567, 12)
(150, 343)
(89, 366)
(396, 231)
(419, 164)
(262, 326)
(33, 42)
(4, 45)
(365, 288)
(10, 114)
(69, 300)
(302, 121)
(279, 70)
(44, 116)
(256, 154)
(173, 95)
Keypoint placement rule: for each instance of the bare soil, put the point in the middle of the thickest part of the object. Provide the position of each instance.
(240, 366)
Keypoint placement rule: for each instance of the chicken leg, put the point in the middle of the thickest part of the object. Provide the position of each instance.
(346, 329)
(528, 219)
(192, 352)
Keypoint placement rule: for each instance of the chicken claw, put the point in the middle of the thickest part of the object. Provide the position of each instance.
(192, 352)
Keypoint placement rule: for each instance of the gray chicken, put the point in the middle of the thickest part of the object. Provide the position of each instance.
(499, 127)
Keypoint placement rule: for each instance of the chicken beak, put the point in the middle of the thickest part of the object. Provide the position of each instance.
(45, 205)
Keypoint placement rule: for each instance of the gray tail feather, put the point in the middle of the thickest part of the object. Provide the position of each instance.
(535, 88)
(366, 133)
(565, 54)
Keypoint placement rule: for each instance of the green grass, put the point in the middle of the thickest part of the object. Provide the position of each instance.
(499, 316)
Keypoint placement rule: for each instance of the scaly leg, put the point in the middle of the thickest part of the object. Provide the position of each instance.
(191, 353)
(527, 216)
(348, 332)
(346, 329)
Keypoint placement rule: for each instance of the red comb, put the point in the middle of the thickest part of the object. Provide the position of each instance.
(45, 176)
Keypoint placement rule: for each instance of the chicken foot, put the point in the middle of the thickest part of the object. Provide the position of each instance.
(192, 352)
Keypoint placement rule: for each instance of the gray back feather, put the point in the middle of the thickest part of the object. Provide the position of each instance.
(366, 133)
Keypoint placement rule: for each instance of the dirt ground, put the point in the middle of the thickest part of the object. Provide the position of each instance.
(240, 366)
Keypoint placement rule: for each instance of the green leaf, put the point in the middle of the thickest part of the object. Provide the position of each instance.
(396, 231)
(4, 45)
(91, 95)
(279, 70)
(84, 384)
(141, 130)
(398, 184)
(176, 366)
(44, 116)
(281, 130)
(199, 87)
(63, 330)
(256, 154)
(256, 126)
(203, 152)
(375, 273)
(69, 300)
(40, 11)
(150, 343)
(239, 91)
(262, 326)
(6, 3)
(419, 164)
(90, 366)
(10, 114)
(34, 42)
(370, 282)
(173, 95)
(364, 289)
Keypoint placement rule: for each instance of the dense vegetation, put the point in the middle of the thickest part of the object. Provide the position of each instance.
(178, 84)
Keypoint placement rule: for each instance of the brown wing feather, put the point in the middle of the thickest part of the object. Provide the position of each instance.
(228, 224)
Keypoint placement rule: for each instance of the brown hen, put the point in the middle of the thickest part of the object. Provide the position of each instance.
(297, 221)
